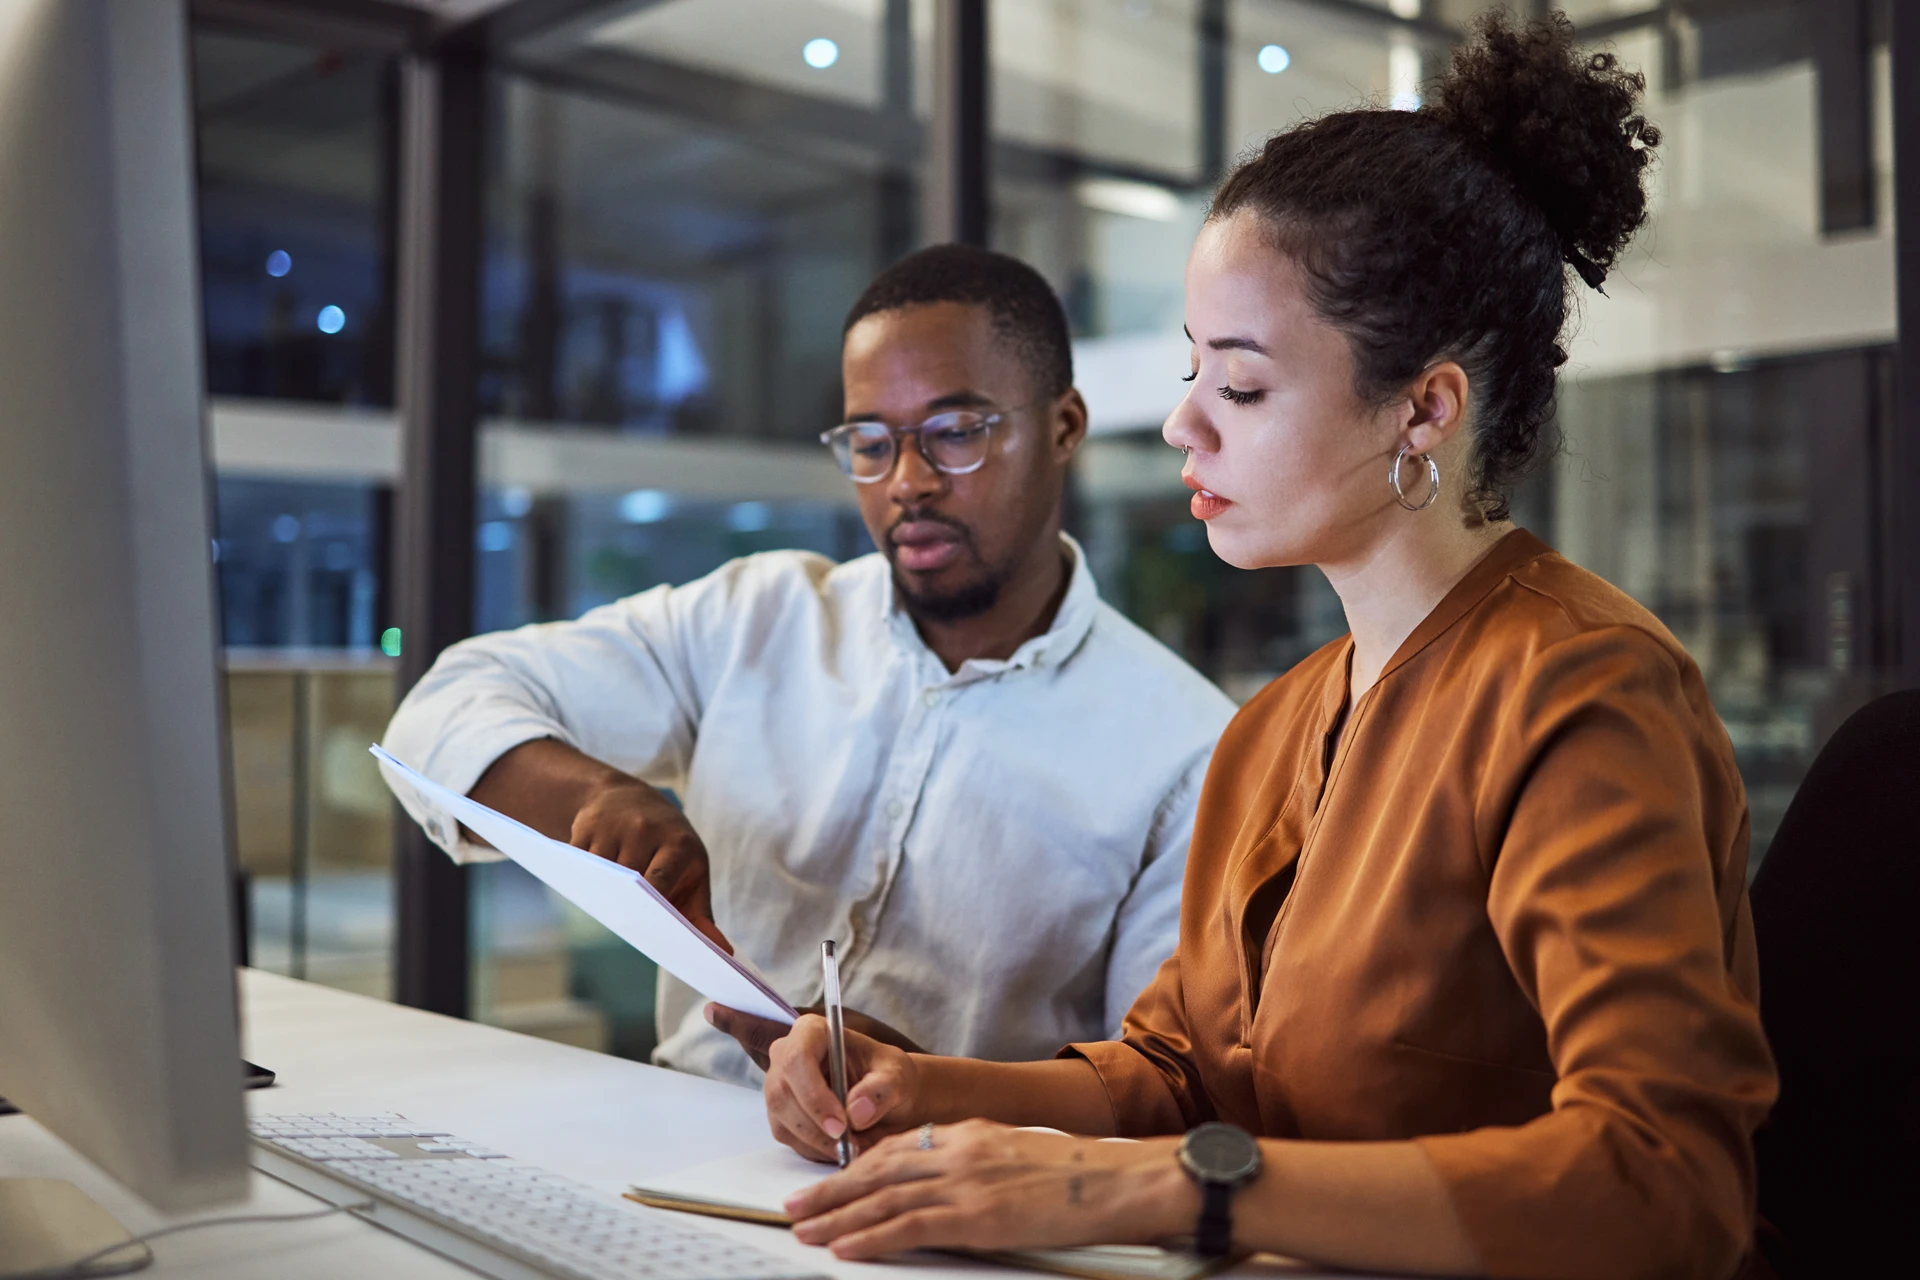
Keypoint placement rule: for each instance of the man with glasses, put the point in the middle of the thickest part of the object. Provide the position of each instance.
(950, 757)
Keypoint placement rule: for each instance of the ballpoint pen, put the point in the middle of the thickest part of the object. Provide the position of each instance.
(836, 1042)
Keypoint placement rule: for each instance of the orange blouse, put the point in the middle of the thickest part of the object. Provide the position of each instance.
(1503, 913)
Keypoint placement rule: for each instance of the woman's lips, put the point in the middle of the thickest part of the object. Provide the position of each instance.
(1205, 505)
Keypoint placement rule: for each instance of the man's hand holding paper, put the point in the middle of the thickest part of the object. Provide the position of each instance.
(565, 794)
(616, 896)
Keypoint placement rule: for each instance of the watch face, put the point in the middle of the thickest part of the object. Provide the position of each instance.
(1221, 1153)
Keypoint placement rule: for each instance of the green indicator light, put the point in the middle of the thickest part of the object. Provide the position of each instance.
(390, 642)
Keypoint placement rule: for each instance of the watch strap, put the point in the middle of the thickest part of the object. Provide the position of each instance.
(1214, 1239)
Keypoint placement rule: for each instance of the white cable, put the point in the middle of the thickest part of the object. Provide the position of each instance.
(79, 1270)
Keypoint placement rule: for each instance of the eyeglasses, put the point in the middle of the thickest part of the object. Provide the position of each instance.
(953, 443)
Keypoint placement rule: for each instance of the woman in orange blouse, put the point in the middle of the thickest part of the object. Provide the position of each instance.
(1464, 940)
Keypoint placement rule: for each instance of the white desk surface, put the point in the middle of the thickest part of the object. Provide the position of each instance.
(597, 1119)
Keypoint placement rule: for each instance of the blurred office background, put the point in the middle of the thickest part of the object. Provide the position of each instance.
(673, 205)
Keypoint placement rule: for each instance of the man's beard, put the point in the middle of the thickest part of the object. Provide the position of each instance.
(968, 600)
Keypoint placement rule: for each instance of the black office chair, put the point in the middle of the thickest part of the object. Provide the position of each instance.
(1836, 910)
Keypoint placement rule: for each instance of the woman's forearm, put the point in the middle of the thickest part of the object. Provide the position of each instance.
(1063, 1093)
(1375, 1206)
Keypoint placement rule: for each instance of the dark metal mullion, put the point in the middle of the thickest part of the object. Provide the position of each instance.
(1904, 560)
(300, 819)
(443, 108)
(894, 213)
(1843, 58)
(1211, 19)
(958, 183)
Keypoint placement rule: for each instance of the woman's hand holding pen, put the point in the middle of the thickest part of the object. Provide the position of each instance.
(883, 1097)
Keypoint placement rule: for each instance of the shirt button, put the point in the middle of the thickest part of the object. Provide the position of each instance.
(933, 697)
(895, 809)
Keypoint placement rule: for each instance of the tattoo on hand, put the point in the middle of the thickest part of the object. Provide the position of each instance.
(1074, 1187)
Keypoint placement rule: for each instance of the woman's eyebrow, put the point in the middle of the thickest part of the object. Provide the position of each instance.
(1230, 344)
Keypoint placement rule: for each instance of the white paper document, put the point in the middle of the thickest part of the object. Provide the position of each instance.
(616, 896)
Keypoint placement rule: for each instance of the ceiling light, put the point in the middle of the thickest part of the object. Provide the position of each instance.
(1403, 76)
(331, 319)
(820, 53)
(1274, 59)
(645, 506)
(1129, 199)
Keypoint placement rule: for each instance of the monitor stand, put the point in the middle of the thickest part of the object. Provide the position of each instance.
(46, 1225)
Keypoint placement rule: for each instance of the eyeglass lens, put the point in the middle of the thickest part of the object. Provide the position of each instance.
(952, 442)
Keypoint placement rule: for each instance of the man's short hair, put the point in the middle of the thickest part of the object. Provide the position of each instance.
(1026, 314)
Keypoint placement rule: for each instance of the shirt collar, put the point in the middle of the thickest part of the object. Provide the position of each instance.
(1071, 623)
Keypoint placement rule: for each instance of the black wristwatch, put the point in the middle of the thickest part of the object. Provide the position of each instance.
(1222, 1158)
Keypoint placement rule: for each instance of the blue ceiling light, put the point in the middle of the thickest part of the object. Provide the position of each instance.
(331, 319)
(279, 262)
(820, 53)
(1274, 59)
(645, 506)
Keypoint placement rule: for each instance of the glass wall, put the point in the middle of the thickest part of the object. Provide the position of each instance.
(1728, 410)
(689, 196)
(295, 152)
(295, 157)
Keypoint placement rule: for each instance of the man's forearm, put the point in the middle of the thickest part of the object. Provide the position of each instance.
(543, 783)
(1062, 1093)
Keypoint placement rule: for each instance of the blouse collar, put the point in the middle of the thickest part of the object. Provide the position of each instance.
(1512, 551)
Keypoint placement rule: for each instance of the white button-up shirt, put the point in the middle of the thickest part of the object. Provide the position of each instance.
(996, 851)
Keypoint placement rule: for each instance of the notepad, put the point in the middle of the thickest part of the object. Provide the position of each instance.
(753, 1187)
(618, 897)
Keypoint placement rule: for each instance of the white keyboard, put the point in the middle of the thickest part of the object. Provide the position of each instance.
(498, 1216)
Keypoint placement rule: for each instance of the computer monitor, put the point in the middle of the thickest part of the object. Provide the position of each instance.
(117, 1010)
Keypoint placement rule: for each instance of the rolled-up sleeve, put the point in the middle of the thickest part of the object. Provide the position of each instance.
(622, 684)
(1152, 1082)
(1604, 809)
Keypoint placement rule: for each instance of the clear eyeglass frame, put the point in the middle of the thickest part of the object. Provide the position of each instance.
(954, 443)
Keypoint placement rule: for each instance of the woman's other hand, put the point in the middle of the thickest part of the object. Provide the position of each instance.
(986, 1186)
(882, 1094)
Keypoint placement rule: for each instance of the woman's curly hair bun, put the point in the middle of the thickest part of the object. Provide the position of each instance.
(1564, 124)
(1447, 232)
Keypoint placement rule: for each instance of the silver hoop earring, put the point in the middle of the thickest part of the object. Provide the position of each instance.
(1433, 478)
